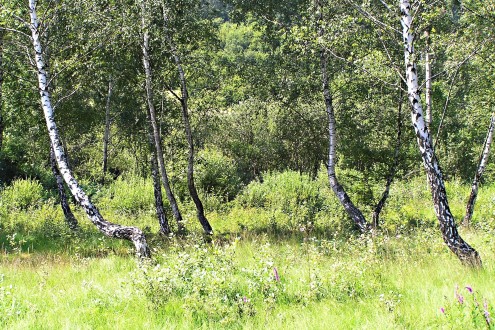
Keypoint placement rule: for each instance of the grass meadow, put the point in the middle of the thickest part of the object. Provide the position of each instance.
(283, 256)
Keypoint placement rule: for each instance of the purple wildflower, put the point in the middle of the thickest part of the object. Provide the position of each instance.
(442, 310)
(470, 289)
(486, 313)
(275, 273)
(245, 300)
(460, 298)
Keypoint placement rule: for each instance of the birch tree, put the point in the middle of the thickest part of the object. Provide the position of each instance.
(132, 234)
(483, 160)
(183, 99)
(446, 220)
(152, 115)
(355, 214)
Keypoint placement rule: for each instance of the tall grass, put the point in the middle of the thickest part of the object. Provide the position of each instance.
(284, 256)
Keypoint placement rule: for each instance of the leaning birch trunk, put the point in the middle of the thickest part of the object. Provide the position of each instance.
(106, 137)
(428, 100)
(64, 203)
(132, 234)
(156, 130)
(448, 227)
(1, 86)
(481, 168)
(200, 212)
(393, 168)
(157, 187)
(355, 214)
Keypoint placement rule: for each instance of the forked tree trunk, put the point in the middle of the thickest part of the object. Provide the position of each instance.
(64, 203)
(156, 130)
(132, 234)
(393, 168)
(428, 100)
(2, 125)
(355, 214)
(481, 168)
(200, 212)
(448, 226)
(106, 136)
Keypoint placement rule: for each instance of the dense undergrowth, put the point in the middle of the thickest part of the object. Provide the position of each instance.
(284, 255)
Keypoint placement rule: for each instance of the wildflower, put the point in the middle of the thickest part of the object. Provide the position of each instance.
(245, 300)
(275, 273)
(470, 289)
(459, 297)
(486, 314)
(442, 310)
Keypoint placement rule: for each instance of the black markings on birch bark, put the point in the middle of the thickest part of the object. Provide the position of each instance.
(69, 216)
(337, 188)
(156, 131)
(132, 234)
(483, 160)
(448, 227)
(187, 127)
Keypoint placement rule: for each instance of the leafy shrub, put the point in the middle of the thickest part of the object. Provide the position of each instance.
(293, 194)
(129, 195)
(217, 174)
(22, 194)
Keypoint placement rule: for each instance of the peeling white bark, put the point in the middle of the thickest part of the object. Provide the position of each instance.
(428, 80)
(481, 168)
(448, 226)
(133, 234)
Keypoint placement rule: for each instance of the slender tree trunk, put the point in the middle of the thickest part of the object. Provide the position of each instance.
(393, 168)
(157, 188)
(481, 168)
(69, 216)
(200, 212)
(132, 234)
(2, 125)
(355, 214)
(428, 117)
(106, 136)
(156, 132)
(448, 226)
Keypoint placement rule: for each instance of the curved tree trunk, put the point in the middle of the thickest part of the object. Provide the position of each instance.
(481, 168)
(156, 130)
(132, 234)
(355, 214)
(69, 216)
(393, 168)
(448, 226)
(200, 212)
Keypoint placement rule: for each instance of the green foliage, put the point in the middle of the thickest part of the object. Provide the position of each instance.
(131, 195)
(21, 195)
(217, 174)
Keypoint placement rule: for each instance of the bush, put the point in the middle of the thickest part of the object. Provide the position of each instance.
(217, 174)
(129, 195)
(22, 194)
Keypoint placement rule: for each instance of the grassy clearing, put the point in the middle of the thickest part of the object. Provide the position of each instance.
(283, 256)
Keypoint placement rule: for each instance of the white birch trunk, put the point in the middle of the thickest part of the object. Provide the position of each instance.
(481, 168)
(448, 226)
(132, 234)
(428, 80)
(355, 214)
(154, 124)
(200, 212)
(106, 137)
